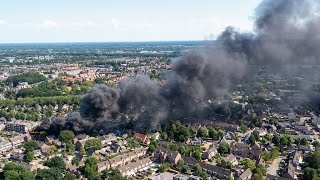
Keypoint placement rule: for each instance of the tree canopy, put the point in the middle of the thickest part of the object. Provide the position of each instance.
(223, 148)
(66, 136)
(29, 77)
(93, 144)
(13, 171)
(55, 162)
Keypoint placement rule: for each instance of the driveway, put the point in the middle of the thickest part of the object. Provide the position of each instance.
(275, 166)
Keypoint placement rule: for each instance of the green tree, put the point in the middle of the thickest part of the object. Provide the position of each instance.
(133, 143)
(273, 154)
(90, 173)
(91, 168)
(254, 137)
(91, 161)
(316, 143)
(70, 148)
(223, 148)
(304, 141)
(30, 146)
(93, 144)
(66, 136)
(256, 122)
(164, 167)
(259, 172)
(174, 147)
(11, 170)
(9, 94)
(29, 77)
(229, 165)
(182, 134)
(312, 160)
(213, 133)
(75, 161)
(69, 176)
(311, 174)
(27, 175)
(11, 175)
(204, 175)
(203, 132)
(243, 128)
(248, 163)
(115, 175)
(152, 148)
(49, 174)
(29, 156)
(183, 150)
(286, 140)
(55, 162)
(197, 170)
(276, 139)
(164, 136)
(185, 169)
(268, 137)
(221, 133)
(197, 155)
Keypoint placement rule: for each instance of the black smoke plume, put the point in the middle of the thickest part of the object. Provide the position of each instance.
(286, 32)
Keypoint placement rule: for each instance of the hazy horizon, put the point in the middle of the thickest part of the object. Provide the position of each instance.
(38, 21)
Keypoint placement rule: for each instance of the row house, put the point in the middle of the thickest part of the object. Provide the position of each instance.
(209, 168)
(245, 151)
(5, 145)
(162, 155)
(106, 140)
(141, 138)
(122, 159)
(133, 167)
(17, 140)
(210, 153)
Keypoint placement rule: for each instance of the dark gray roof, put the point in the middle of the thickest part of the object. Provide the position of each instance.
(271, 177)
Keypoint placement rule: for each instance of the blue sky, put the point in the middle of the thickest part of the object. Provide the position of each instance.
(120, 20)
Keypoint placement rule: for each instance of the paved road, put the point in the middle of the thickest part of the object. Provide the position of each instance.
(275, 166)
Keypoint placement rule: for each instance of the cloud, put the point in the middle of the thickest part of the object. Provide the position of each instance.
(125, 25)
(85, 24)
(2, 21)
(115, 23)
(49, 24)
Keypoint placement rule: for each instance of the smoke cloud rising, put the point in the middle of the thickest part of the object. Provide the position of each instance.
(286, 31)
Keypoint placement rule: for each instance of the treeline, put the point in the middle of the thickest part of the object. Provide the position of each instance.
(36, 109)
(28, 102)
(56, 87)
(30, 77)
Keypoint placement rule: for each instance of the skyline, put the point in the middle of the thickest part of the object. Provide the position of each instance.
(36, 21)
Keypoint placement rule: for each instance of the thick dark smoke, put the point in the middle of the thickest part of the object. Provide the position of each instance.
(286, 32)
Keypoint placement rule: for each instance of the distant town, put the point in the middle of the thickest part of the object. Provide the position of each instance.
(258, 132)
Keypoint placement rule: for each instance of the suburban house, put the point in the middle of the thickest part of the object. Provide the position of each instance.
(52, 140)
(17, 140)
(209, 168)
(162, 155)
(141, 138)
(246, 175)
(271, 177)
(103, 165)
(134, 166)
(211, 152)
(290, 172)
(106, 140)
(5, 145)
(230, 158)
(44, 148)
(243, 150)
(80, 143)
(123, 159)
